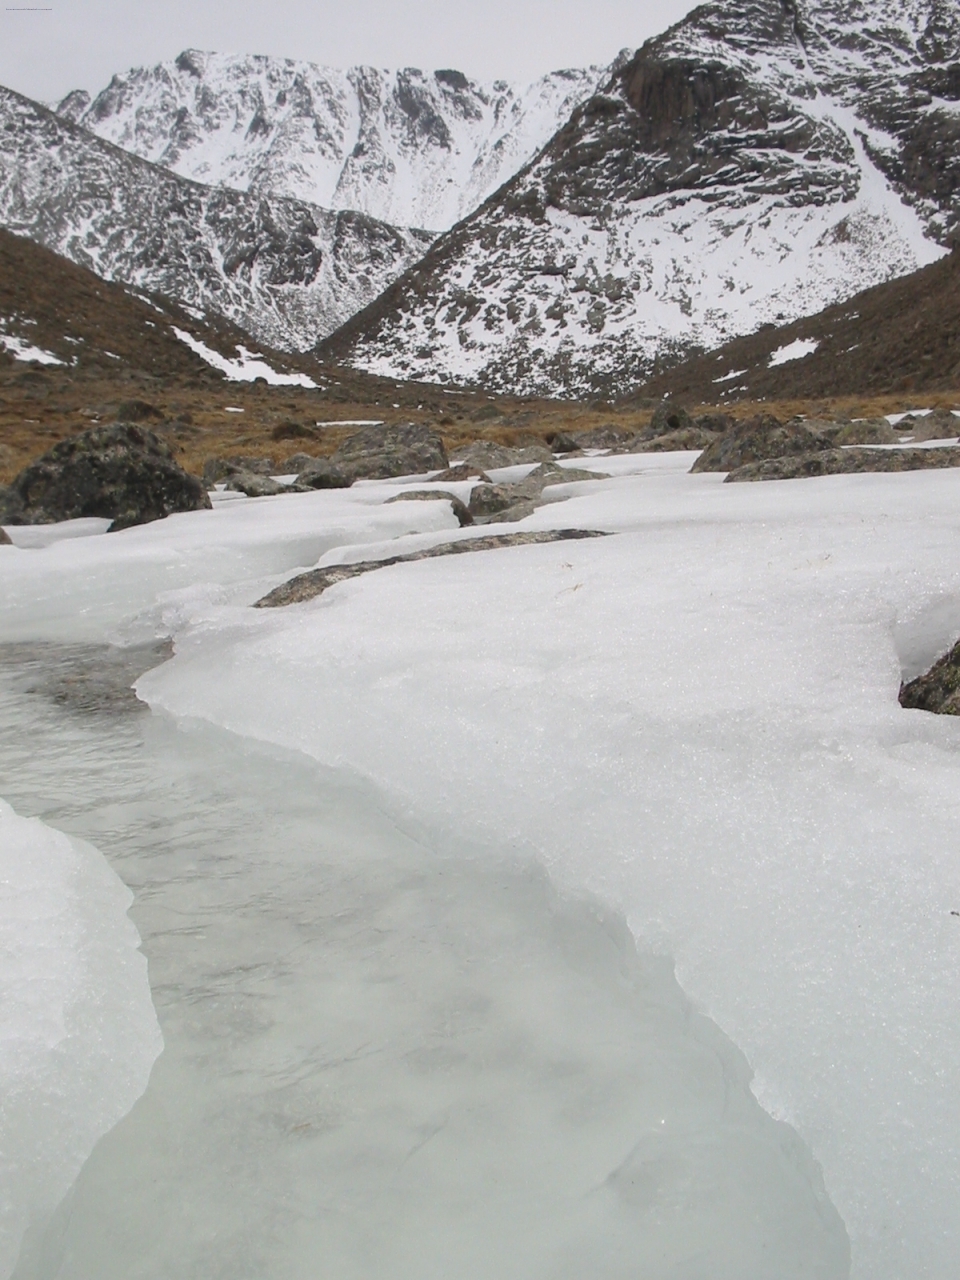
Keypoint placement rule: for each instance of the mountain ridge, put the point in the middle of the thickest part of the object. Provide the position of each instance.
(731, 174)
(408, 147)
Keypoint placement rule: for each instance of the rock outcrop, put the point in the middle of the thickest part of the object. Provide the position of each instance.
(377, 453)
(122, 472)
(757, 439)
(836, 462)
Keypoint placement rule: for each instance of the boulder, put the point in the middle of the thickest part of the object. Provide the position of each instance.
(488, 456)
(255, 486)
(121, 472)
(667, 419)
(460, 510)
(938, 690)
(324, 474)
(139, 411)
(560, 442)
(683, 441)
(716, 423)
(377, 453)
(941, 424)
(216, 470)
(298, 462)
(462, 471)
(866, 431)
(607, 437)
(835, 462)
(294, 431)
(758, 439)
(4, 536)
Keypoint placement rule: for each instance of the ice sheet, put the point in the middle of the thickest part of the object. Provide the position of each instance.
(78, 1032)
(698, 721)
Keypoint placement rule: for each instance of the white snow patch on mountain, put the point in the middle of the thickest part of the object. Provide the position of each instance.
(797, 350)
(20, 349)
(247, 367)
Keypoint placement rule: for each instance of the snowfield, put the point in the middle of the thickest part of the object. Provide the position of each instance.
(692, 722)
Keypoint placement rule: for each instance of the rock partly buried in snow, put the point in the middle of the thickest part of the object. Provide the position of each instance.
(460, 510)
(510, 502)
(835, 462)
(259, 486)
(4, 536)
(938, 690)
(306, 586)
(941, 424)
(560, 442)
(488, 456)
(758, 439)
(378, 453)
(122, 472)
(462, 471)
(684, 440)
(323, 473)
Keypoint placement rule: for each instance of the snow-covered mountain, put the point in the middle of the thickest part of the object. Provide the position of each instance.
(286, 271)
(408, 147)
(757, 162)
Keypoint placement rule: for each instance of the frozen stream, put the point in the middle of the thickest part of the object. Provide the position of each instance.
(382, 1058)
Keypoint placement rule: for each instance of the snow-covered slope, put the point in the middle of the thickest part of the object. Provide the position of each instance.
(757, 162)
(409, 147)
(286, 271)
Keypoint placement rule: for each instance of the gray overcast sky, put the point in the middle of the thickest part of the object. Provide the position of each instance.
(81, 43)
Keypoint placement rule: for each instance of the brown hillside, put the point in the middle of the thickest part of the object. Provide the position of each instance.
(899, 337)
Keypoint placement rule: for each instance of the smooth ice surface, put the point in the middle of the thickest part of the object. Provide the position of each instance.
(78, 1032)
(698, 721)
(694, 720)
(384, 1057)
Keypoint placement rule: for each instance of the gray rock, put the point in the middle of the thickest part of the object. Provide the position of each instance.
(688, 438)
(324, 474)
(866, 431)
(462, 471)
(834, 462)
(298, 462)
(488, 456)
(560, 442)
(758, 439)
(941, 424)
(668, 418)
(216, 470)
(460, 510)
(4, 536)
(121, 472)
(937, 690)
(255, 486)
(608, 437)
(378, 453)
(716, 423)
(306, 586)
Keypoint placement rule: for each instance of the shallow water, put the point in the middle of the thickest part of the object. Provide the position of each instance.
(382, 1058)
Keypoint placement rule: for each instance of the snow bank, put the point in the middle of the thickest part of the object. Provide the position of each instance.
(797, 350)
(247, 368)
(20, 349)
(78, 1032)
(696, 720)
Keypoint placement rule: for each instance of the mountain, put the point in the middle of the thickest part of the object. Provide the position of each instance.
(56, 314)
(902, 336)
(759, 161)
(286, 271)
(407, 147)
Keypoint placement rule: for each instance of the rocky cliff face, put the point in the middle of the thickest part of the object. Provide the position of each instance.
(408, 147)
(759, 161)
(284, 270)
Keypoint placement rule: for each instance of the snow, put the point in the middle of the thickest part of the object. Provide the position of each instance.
(20, 349)
(797, 350)
(78, 1032)
(246, 368)
(695, 721)
(731, 376)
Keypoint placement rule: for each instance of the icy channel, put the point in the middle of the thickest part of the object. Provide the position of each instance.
(383, 1058)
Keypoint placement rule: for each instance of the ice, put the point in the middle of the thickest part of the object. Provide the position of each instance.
(697, 720)
(384, 1056)
(78, 1032)
(691, 724)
